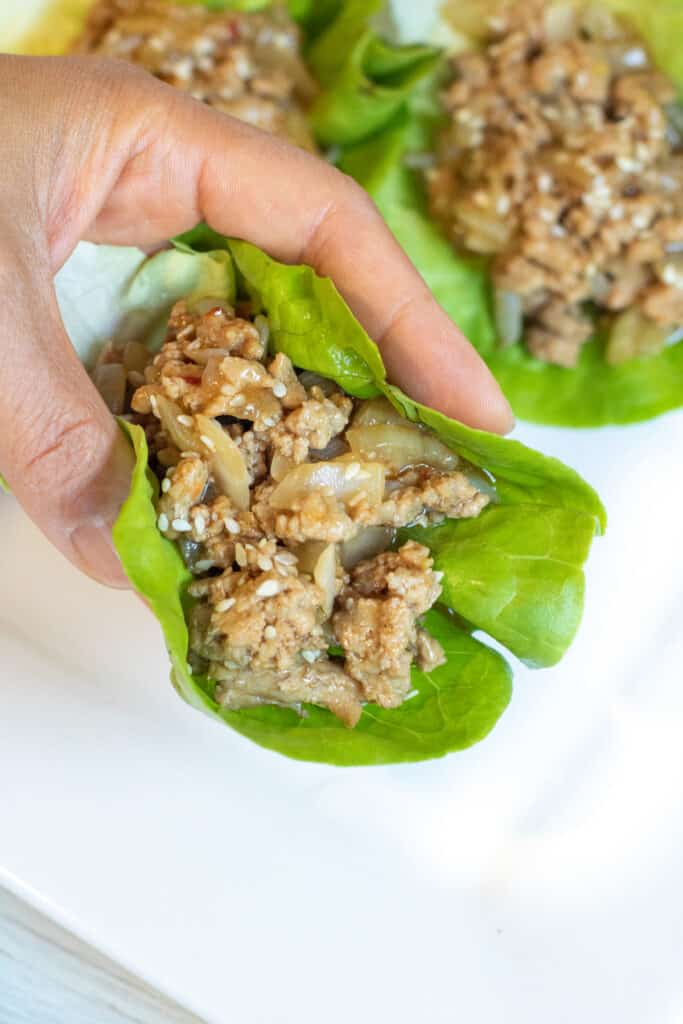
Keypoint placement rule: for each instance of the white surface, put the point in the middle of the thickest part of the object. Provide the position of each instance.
(533, 878)
(49, 977)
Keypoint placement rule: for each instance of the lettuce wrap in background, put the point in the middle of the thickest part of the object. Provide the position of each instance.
(515, 572)
(594, 393)
(364, 79)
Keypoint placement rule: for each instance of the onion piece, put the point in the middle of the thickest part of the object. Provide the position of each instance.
(319, 560)
(110, 381)
(401, 446)
(227, 462)
(559, 22)
(136, 356)
(379, 410)
(280, 466)
(309, 380)
(183, 437)
(633, 335)
(508, 313)
(366, 544)
(343, 479)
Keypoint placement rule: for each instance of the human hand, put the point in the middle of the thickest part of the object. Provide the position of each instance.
(101, 151)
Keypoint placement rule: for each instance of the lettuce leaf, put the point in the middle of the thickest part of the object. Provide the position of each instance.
(592, 395)
(516, 572)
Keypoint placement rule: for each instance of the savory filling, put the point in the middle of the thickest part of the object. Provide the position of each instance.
(284, 496)
(562, 160)
(248, 65)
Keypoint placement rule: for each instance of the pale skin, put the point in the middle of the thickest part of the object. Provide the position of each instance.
(103, 152)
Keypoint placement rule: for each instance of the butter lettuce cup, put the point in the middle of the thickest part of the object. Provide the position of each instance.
(537, 185)
(318, 549)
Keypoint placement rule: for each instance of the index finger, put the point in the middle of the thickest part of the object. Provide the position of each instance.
(200, 164)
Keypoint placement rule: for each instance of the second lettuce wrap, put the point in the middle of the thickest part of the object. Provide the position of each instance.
(595, 393)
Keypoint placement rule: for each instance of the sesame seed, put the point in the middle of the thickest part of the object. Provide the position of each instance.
(503, 205)
(310, 656)
(199, 523)
(269, 588)
(352, 471)
(268, 421)
(279, 389)
(231, 525)
(203, 565)
(155, 405)
(286, 558)
(226, 605)
(237, 400)
(263, 542)
(162, 522)
(181, 526)
(240, 555)
(545, 182)
(438, 575)
(208, 442)
(166, 485)
(264, 563)
(185, 421)
(270, 632)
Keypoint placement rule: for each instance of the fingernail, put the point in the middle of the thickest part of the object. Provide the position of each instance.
(97, 556)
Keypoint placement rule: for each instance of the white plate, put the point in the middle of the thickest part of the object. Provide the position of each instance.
(541, 865)
(532, 879)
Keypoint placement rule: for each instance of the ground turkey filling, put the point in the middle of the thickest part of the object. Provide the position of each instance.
(246, 65)
(562, 160)
(284, 495)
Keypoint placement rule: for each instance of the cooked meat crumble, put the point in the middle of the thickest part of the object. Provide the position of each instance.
(244, 64)
(562, 161)
(284, 496)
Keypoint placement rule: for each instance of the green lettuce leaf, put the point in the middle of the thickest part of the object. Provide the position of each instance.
(516, 572)
(592, 395)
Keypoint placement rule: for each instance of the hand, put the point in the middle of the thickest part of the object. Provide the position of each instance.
(101, 151)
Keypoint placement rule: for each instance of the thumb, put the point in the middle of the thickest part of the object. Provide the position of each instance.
(61, 451)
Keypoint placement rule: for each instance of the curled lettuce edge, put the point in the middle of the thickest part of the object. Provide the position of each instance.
(594, 394)
(364, 80)
(529, 548)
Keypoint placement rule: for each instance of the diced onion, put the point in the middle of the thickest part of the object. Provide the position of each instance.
(183, 437)
(559, 21)
(401, 446)
(319, 560)
(378, 410)
(600, 23)
(136, 356)
(227, 462)
(633, 335)
(366, 544)
(110, 381)
(280, 466)
(508, 312)
(341, 478)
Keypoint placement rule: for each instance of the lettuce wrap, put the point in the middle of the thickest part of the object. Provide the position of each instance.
(364, 80)
(514, 573)
(594, 393)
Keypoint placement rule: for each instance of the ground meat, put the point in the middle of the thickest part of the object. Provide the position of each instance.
(561, 163)
(244, 64)
(428, 496)
(377, 620)
(261, 503)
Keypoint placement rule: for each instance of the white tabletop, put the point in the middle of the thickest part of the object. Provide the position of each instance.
(48, 977)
